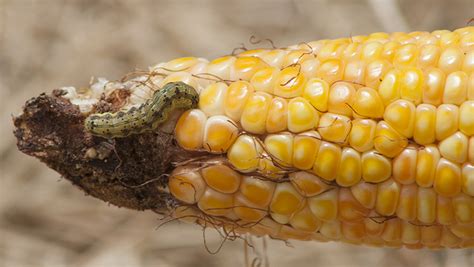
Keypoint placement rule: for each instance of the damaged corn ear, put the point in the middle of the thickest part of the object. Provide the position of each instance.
(368, 140)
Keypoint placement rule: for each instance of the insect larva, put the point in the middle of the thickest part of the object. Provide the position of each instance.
(147, 117)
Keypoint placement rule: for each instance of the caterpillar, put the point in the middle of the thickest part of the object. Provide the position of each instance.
(148, 116)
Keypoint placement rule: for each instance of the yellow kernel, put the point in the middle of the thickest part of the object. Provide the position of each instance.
(455, 89)
(388, 194)
(305, 149)
(237, 95)
(429, 55)
(253, 117)
(189, 131)
(331, 71)
(466, 118)
(444, 210)
(365, 193)
(334, 128)
(211, 99)
(411, 87)
(404, 166)
(280, 148)
(216, 203)
(244, 154)
(316, 91)
(301, 115)
(350, 169)
(349, 208)
(327, 161)
(221, 178)
(434, 86)
(186, 185)
(219, 134)
(468, 179)
(290, 83)
(455, 147)
(257, 190)
(308, 184)
(388, 141)
(277, 117)
(354, 71)
(389, 89)
(448, 178)
(425, 124)
(286, 200)
(221, 67)
(375, 167)
(375, 71)
(405, 55)
(428, 158)
(341, 98)
(447, 120)
(367, 103)
(406, 209)
(362, 134)
(245, 67)
(451, 59)
(305, 220)
(401, 116)
(265, 79)
(324, 206)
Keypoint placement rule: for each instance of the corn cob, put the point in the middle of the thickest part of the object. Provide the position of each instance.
(366, 140)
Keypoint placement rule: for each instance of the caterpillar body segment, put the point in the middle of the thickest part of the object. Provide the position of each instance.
(148, 116)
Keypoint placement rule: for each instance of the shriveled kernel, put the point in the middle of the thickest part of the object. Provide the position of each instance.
(375, 167)
(406, 209)
(466, 118)
(327, 161)
(286, 200)
(331, 230)
(392, 231)
(186, 185)
(468, 179)
(389, 89)
(448, 239)
(410, 233)
(375, 71)
(463, 208)
(257, 190)
(289, 83)
(401, 116)
(316, 91)
(451, 59)
(308, 184)
(253, 117)
(334, 127)
(425, 122)
(350, 169)
(215, 203)
(388, 194)
(429, 55)
(448, 178)
(445, 210)
(411, 87)
(280, 148)
(305, 149)
(246, 67)
(246, 210)
(404, 166)
(341, 98)
(426, 205)
(221, 178)
(331, 71)
(221, 67)
(431, 235)
(428, 158)
(455, 147)
(324, 205)
(367, 103)
(353, 232)
(219, 134)
(305, 220)
(349, 208)
(237, 95)
(211, 99)
(189, 131)
(277, 117)
(434, 86)
(463, 231)
(365, 193)
(265, 79)
(362, 134)
(455, 88)
(447, 121)
(301, 115)
(244, 154)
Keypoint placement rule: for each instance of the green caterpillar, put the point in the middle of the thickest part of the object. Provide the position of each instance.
(147, 117)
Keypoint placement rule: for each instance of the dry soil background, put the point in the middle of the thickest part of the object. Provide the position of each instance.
(44, 44)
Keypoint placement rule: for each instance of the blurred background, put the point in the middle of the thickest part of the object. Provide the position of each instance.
(45, 44)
